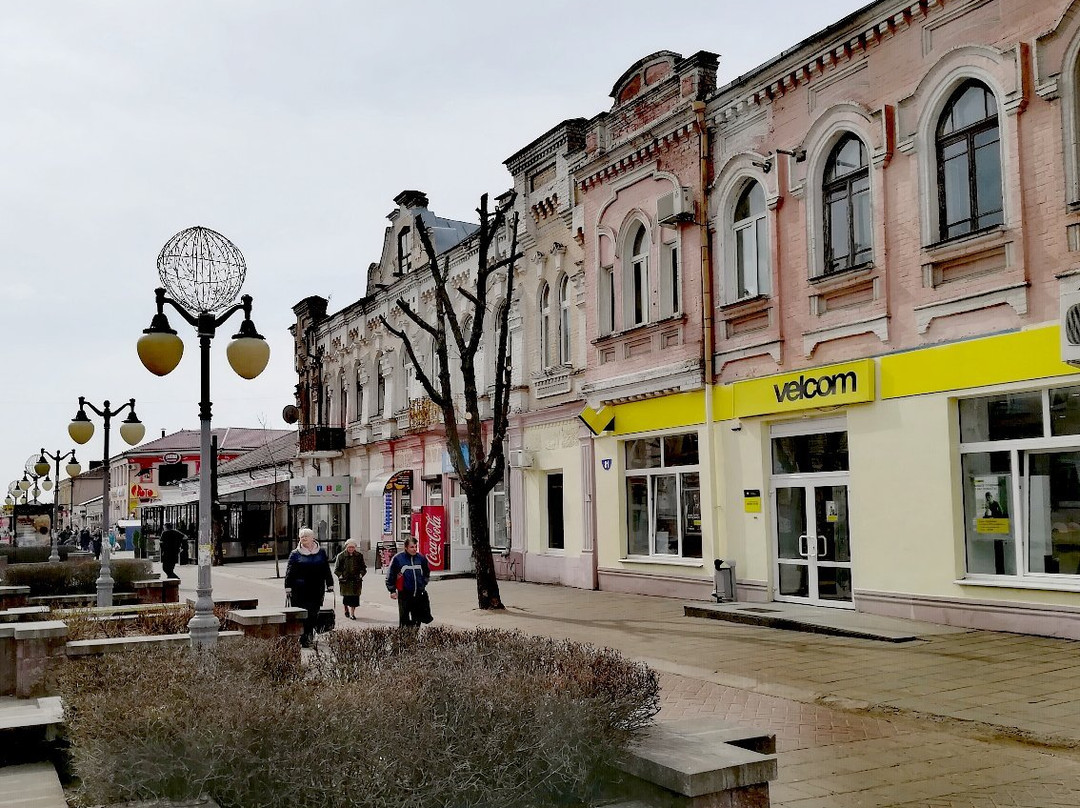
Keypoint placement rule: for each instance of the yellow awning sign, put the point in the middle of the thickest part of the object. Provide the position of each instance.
(598, 421)
(829, 386)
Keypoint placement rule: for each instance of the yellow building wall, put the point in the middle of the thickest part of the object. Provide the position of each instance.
(555, 448)
(747, 536)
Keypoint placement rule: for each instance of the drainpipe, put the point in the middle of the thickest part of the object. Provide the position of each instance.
(706, 296)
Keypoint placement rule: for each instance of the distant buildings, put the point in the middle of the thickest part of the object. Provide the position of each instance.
(806, 321)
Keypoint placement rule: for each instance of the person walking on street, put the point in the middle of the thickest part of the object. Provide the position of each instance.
(307, 577)
(170, 542)
(85, 541)
(350, 568)
(97, 544)
(407, 580)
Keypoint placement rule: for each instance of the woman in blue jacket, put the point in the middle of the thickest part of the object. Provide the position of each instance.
(307, 577)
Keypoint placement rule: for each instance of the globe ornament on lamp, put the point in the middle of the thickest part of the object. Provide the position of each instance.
(160, 349)
(46, 484)
(249, 352)
(201, 269)
(41, 466)
(81, 428)
(73, 468)
(132, 429)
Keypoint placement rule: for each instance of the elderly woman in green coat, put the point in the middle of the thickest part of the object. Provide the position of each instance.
(350, 568)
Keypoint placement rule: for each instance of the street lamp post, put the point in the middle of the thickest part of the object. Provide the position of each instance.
(42, 467)
(81, 429)
(203, 272)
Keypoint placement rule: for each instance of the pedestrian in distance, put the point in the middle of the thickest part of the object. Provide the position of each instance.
(96, 543)
(406, 580)
(307, 578)
(85, 541)
(350, 569)
(170, 542)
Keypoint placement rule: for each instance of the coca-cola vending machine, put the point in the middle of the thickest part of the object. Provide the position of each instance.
(429, 528)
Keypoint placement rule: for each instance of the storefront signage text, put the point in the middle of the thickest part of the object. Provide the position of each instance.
(830, 386)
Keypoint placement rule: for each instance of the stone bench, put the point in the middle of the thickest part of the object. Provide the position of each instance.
(13, 596)
(164, 590)
(19, 614)
(111, 645)
(231, 603)
(269, 624)
(84, 599)
(34, 785)
(699, 763)
(25, 653)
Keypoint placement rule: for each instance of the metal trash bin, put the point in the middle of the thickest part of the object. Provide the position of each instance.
(723, 580)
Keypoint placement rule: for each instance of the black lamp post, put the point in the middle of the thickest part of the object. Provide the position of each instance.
(203, 272)
(42, 467)
(81, 429)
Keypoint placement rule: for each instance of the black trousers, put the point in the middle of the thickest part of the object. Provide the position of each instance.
(312, 601)
(169, 568)
(413, 609)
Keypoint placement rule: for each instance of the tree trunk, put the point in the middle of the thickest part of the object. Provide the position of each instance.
(487, 585)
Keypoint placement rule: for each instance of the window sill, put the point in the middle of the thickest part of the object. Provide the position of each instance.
(988, 237)
(843, 276)
(752, 303)
(1055, 584)
(664, 561)
(639, 329)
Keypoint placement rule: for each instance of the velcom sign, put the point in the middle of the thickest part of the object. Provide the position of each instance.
(829, 386)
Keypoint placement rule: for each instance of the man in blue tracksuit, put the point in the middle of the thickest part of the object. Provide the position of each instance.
(406, 580)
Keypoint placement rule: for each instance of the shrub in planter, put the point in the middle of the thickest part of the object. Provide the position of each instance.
(33, 555)
(75, 577)
(380, 717)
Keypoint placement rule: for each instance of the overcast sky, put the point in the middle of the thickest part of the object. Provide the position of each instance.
(288, 127)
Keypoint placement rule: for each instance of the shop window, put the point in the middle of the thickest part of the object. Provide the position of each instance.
(555, 523)
(1020, 463)
(846, 203)
(969, 163)
(809, 454)
(663, 497)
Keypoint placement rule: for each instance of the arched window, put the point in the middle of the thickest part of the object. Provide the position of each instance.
(606, 300)
(434, 367)
(359, 395)
(404, 250)
(845, 191)
(564, 320)
(343, 406)
(380, 392)
(969, 162)
(750, 234)
(408, 373)
(636, 287)
(545, 326)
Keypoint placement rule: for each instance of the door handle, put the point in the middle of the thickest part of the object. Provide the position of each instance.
(824, 546)
(804, 546)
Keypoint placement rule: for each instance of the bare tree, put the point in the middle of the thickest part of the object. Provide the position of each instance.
(460, 319)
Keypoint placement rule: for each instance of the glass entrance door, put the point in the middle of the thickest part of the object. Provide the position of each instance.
(813, 552)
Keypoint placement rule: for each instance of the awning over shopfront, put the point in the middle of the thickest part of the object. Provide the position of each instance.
(391, 481)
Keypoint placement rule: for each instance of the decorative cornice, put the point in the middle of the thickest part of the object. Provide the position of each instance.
(645, 153)
(748, 101)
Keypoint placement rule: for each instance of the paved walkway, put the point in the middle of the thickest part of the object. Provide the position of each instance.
(968, 719)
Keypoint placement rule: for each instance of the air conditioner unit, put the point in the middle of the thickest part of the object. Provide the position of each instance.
(1070, 327)
(675, 207)
(520, 459)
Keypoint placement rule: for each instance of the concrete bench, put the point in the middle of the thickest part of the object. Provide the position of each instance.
(34, 785)
(153, 590)
(269, 624)
(697, 763)
(25, 653)
(13, 596)
(21, 613)
(231, 603)
(84, 599)
(112, 645)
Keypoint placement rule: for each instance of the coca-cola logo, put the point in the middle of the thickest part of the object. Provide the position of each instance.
(433, 531)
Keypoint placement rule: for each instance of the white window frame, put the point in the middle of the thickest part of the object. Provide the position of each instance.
(564, 320)
(660, 471)
(763, 263)
(636, 286)
(545, 326)
(670, 279)
(606, 300)
(1019, 451)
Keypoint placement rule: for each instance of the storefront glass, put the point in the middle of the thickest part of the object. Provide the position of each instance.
(663, 497)
(1020, 461)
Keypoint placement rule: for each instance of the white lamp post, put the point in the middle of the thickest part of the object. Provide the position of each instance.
(203, 272)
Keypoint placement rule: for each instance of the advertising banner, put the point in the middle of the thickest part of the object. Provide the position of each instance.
(429, 529)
